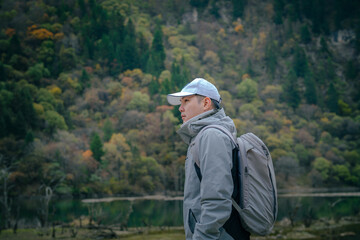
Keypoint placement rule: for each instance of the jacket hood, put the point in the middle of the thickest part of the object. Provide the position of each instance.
(192, 127)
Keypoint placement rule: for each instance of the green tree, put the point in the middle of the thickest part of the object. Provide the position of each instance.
(15, 46)
(199, 3)
(37, 72)
(2, 72)
(310, 89)
(154, 87)
(291, 90)
(238, 8)
(279, 11)
(84, 79)
(130, 57)
(342, 173)
(351, 70)
(54, 121)
(24, 109)
(300, 63)
(96, 146)
(249, 68)
(143, 52)
(247, 89)
(46, 52)
(303, 155)
(145, 173)
(357, 38)
(117, 156)
(176, 76)
(271, 58)
(214, 9)
(332, 99)
(155, 64)
(106, 48)
(305, 34)
(286, 165)
(108, 130)
(318, 16)
(67, 58)
(6, 114)
(140, 101)
(323, 166)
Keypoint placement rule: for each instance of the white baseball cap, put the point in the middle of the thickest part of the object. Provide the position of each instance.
(197, 86)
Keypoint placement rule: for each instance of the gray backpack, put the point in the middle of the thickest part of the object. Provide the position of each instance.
(257, 204)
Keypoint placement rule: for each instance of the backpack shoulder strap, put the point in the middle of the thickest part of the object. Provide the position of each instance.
(197, 139)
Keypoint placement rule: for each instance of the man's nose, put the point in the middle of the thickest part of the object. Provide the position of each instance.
(181, 108)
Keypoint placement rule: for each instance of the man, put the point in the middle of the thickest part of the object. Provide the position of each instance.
(207, 207)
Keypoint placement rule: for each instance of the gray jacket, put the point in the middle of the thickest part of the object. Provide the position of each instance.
(207, 204)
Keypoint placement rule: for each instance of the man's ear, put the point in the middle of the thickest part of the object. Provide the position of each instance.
(207, 103)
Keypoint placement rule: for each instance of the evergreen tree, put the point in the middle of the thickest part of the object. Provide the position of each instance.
(239, 7)
(199, 3)
(4, 126)
(317, 16)
(19, 125)
(89, 48)
(166, 86)
(143, 52)
(214, 9)
(154, 87)
(271, 58)
(330, 70)
(305, 34)
(295, 10)
(249, 69)
(130, 57)
(23, 106)
(332, 100)
(357, 38)
(310, 89)
(300, 64)
(108, 130)
(84, 79)
(176, 75)
(279, 9)
(350, 70)
(82, 7)
(324, 47)
(106, 48)
(14, 47)
(291, 90)
(155, 64)
(117, 28)
(2, 72)
(96, 146)
(130, 30)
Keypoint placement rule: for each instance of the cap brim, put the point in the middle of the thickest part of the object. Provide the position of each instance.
(174, 98)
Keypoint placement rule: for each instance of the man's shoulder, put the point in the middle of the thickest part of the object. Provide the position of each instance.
(213, 133)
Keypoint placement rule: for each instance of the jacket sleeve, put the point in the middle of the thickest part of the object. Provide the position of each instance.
(215, 156)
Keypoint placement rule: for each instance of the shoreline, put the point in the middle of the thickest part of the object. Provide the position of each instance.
(148, 197)
(176, 198)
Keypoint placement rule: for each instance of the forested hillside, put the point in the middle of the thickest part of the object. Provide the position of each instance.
(83, 87)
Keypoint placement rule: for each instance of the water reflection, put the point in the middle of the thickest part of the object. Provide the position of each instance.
(136, 213)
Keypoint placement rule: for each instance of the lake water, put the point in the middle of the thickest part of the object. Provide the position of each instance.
(151, 212)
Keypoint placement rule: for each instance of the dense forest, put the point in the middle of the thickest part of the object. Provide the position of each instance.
(83, 86)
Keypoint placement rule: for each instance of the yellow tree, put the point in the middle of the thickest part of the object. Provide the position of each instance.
(117, 156)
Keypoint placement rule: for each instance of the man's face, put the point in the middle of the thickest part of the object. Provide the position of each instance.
(191, 107)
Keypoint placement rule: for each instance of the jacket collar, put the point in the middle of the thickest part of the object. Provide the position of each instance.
(191, 128)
